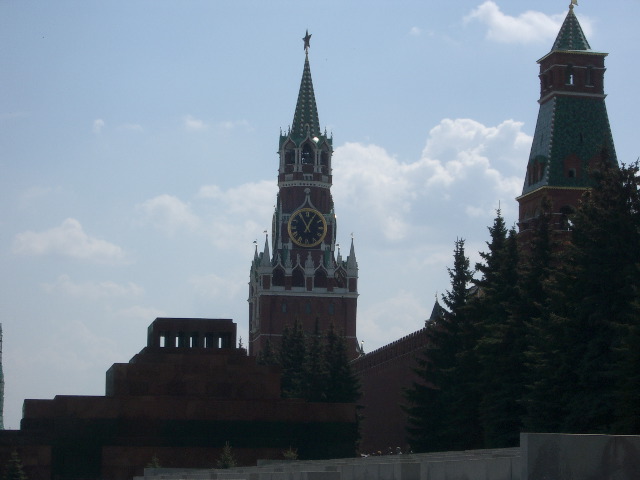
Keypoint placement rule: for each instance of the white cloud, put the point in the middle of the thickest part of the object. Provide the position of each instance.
(69, 239)
(465, 169)
(252, 202)
(528, 27)
(98, 125)
(169, 214)
(217, 213)
(415, 32)
(194, 124)
(93, 290)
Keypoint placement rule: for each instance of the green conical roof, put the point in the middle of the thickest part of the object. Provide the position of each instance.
(571, 36)
(305, 120)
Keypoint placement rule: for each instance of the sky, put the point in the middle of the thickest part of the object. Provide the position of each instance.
(138, 156)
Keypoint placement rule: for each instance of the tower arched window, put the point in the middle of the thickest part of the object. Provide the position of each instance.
(569, 78)
(297, 279)
(589, 80)
(320, 278)
(307, 154)
(278, 277)
(289, 157)
(324, 161)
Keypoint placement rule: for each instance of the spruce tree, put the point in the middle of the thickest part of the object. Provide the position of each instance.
(267, 356)
(292, 360)
(443, 405)
(541, 306)
(342, 383)
(501, 339)
(14, 469)
(316, 367)
(602, 261)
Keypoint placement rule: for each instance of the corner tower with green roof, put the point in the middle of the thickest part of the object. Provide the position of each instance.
(572, 132)
(301, 276)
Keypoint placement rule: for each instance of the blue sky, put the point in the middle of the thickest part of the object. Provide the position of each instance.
(138, 156)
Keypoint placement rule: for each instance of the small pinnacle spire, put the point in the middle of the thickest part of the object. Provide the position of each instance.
(266, 256)
(352, 264)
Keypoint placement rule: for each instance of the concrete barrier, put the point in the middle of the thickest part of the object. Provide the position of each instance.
(540, 456)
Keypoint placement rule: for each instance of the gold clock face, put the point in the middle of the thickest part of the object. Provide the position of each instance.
(307, 227)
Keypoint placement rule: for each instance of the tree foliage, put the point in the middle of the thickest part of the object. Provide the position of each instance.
(443, 411)
(315, 366)
(14, 469)
(227, 458)
(549, 337)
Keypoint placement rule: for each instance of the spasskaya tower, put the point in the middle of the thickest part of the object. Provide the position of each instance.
(303, 276)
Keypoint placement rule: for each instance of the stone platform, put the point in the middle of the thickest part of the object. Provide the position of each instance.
(499, 464)
(540, 456)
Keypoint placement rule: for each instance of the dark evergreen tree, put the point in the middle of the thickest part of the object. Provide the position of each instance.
(342, 383)
(227, 459)
(501, 343)
(443, 406)
(14, 469)
(603, 279)
(292, 360)
(316, 367)
(267, 355)
(541, 305)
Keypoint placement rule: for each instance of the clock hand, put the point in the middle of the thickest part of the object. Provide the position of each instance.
(307, 225)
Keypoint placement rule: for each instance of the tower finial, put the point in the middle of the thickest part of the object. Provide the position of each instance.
(307, 40)
(573, 2)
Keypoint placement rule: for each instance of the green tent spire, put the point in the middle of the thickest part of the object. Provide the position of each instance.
(571, 36)
(305, 119)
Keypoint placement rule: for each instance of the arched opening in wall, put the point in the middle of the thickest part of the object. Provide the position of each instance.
(297, 279)
(278, 277)
(290, 157)
(320, 278)
(589, 80)
(324, 160)
(569, 77)
(308, 154)
(566, 212)
(572, 166)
